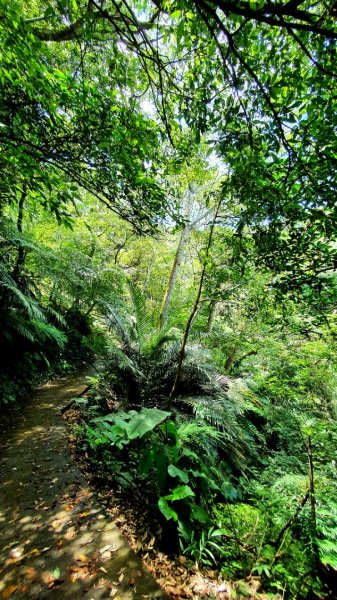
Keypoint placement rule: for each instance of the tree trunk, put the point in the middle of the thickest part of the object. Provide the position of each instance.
(211, 315)
(195, 306)
(173, 275)
(312, 501)
(291, 520)
(230, 359)
(20, 259)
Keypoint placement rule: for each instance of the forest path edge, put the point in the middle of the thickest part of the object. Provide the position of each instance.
(55, 538)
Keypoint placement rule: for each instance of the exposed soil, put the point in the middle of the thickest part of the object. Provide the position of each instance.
(55, 537)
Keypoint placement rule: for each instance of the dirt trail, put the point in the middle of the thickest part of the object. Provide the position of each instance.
(55, 539)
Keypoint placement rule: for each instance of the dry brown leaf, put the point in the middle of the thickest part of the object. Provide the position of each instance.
(87, 542)
(70, 534)
(79, 572)
(110, 547)
(31, 573)
(83, 558)
(54, 583)
(15, 552)
(8, 591)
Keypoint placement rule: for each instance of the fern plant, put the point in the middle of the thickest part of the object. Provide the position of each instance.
(143, 363)
(327, 533)
(27, 327)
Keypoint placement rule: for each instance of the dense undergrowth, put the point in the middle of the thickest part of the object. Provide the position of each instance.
(238, 465)
(168, 204)
(45, 329)
(224, 465)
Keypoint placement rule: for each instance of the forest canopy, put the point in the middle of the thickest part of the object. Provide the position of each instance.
(168, 203)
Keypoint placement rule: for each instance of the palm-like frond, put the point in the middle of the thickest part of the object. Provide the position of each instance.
(18, 326)
(56, 315)
(230, 418)
(28, 304)
(142, 323)
(47, 332)
(118, 323)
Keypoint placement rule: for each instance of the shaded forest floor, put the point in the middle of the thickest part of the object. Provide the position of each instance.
(55, 537)
(179, 577)
(67, 532)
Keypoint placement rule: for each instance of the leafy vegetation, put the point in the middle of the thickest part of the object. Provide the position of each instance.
(168, 205)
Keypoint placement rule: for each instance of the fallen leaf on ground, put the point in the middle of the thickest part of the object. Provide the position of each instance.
(30, 573)
(15, 553)
(110, 547)
(8, 591)
(87, 542)
(54, 583)
(83, 558)
(70, 534)
(57, 573)
(79, 572)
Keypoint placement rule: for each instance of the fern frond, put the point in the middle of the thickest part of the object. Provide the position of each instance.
(142, 322)
(119, 323)
(57, 316)
(47, 332)
(26, 303)
(20, 327)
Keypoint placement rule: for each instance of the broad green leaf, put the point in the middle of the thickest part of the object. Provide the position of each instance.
(166, 510)
(199, 514)
(144, 421)
(179, 493)
(175, 472)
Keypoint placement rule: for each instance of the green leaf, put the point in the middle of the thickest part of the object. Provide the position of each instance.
(180, 492)
(175, 472)
(218, 532)
(49, 12)
(144, 421)
(199, 514)
(166, 510)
